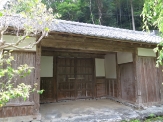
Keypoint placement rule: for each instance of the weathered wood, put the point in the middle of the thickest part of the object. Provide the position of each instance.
(37, 80)
(55, 76)
(79, 37)
(148, 77)
(136, 77)
(94, 78)
(127, 81)
(160, 77)
(72, 54)
(25, 103)
(74, 78)
(47, 84)
(18, 107)
(112, 87)
(49, 49)
(96, 46)
(12, 111)
(22, 58)
(118, 89)
(100, 87)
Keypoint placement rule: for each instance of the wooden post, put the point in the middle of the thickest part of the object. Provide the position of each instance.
(94, 79)
(37, 79)
(119, 94)
(136, 78)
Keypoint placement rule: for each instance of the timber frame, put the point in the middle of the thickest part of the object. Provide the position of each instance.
(142, 87)
(86, 45)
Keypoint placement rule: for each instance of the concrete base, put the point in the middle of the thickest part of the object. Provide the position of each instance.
(102, 110)
(32, 118)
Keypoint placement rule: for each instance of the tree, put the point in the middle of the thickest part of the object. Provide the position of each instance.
(115, 13)
(132, 14)
(153, 18)
(36, 22)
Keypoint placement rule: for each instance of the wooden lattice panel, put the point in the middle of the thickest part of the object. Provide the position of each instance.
(74, 78)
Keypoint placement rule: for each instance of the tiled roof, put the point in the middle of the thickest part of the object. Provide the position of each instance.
(89, 30)
(104, 31)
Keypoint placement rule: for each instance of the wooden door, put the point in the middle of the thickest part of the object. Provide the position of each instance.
(74, 78)
(127, 81)
(150, 80)
(65, 78)
(84, 77)
(47, 84)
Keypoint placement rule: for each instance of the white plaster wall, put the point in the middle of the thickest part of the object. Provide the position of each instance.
(124, 57)
(100, 68)
(146, 52)
(26, 42)
(110, 66)
(46, 66)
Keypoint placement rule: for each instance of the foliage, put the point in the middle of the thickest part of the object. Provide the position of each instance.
(36, 20)
(116, 13)
(153, 18)
(151, 118)
(8, 77)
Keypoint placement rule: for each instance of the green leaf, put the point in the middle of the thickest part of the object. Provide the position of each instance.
(1, 14)
(47, 29)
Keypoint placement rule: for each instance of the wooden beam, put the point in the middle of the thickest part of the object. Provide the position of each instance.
(103, 38)
(72, 54)
(96, 46)
(84, 40)
(49, 49)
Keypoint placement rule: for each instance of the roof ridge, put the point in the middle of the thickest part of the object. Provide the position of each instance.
(100, 26)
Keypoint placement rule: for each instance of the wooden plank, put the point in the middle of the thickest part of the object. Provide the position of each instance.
(12, 111)
(21, 58)
(136, 77)
(47, 84)
(149, 80)
(96, 46)
(127, 81)
(72, 54)
(83, 38)
(100, 87)
(76, 72)
(160, 76)
(37, 80)
(112, 88)
(19, 104)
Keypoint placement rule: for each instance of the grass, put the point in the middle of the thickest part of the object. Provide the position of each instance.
(151, 118)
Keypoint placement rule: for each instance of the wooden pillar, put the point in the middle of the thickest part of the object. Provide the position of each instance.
(119, 94)
(94, 78)
(37, 79)
(136, 78)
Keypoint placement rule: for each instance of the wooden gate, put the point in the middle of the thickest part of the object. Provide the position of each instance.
(74, 78)
(150, 80)
(127, 81)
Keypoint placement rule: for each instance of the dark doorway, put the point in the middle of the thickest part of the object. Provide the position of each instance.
(75, 78)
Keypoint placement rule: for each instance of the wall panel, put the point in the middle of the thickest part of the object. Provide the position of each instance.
(149, 78)
(127, 82)
(110, 66)
(19, 107)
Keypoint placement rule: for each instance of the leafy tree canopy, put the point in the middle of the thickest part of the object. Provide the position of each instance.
(153, 17)
(36, 22)
(116, 13)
